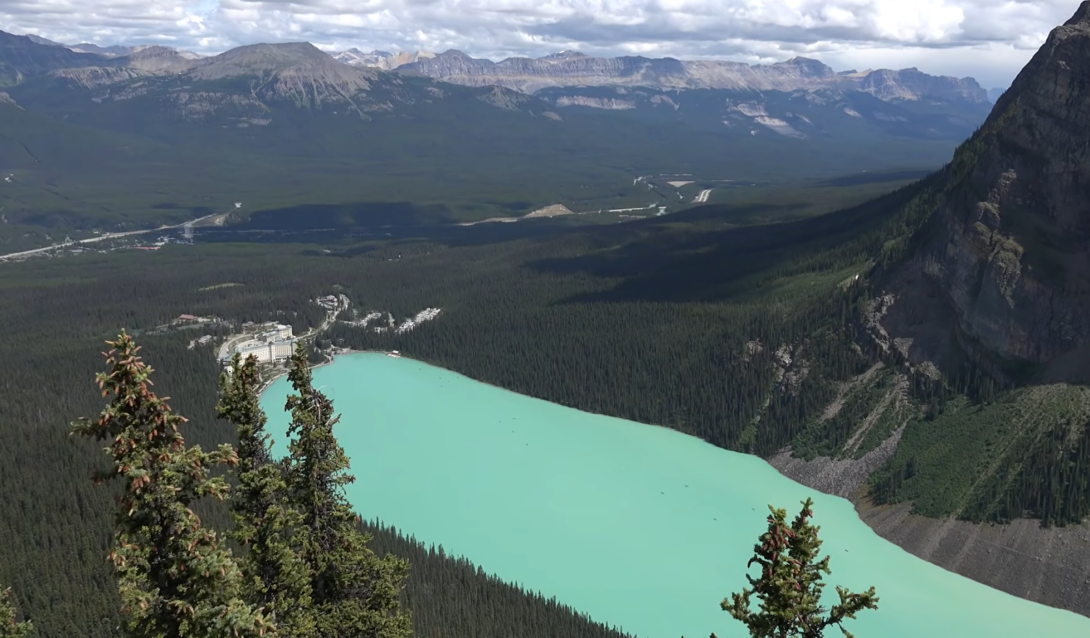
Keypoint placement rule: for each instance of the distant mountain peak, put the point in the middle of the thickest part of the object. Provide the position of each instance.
(277, 54)
(262, 59)
(379, 59)
(1082, 15)
(565, 55)
(157, 59)
(455, 53)
(24, 57)
(374, 52)
(37, 39)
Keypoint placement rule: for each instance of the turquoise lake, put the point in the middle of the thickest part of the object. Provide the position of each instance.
(639, 526)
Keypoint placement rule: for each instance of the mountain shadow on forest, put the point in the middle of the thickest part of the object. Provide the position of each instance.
(712, 259)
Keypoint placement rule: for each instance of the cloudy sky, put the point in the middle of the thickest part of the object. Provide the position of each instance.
(987, 39)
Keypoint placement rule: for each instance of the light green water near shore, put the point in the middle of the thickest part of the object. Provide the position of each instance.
(638, 526)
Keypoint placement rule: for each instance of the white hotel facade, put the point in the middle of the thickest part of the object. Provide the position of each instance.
(274, 345)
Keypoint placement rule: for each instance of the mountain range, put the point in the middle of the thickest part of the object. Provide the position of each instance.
(574, 69)
(566, 79)
(76, 116)
(570, 68)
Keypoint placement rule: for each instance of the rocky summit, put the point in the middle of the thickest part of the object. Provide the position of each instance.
(1008, 249)
(990, 285)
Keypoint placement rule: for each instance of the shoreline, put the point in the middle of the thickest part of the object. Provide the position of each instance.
(332, 358)
(944, 543)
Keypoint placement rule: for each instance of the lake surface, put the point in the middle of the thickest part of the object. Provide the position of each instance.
(638, 526)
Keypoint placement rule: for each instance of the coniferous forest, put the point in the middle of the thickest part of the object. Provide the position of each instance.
(737, 333)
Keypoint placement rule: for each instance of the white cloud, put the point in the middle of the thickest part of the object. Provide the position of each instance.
(989, 39)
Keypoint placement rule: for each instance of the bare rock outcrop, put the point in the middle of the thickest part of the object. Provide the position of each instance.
(1046, 565)
(1001, 275)
(93, 77)
(1009, 248)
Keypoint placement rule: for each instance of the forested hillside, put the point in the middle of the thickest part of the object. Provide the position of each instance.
(925, 349)
(740, 335)
(56, 523)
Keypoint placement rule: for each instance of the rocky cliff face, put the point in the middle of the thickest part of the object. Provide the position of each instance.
(912, 84)
(999, 275)
(1009, 247)
(571, 69)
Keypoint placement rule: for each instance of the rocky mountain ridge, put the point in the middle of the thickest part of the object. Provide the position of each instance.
(573, 69)
(379, 59)
(26, 57)
(112, 51)
(1009, 247)
(991, 297)
(240, 88)
(247, 79)
(23, 57)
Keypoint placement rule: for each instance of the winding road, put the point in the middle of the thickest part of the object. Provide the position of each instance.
(89, 240)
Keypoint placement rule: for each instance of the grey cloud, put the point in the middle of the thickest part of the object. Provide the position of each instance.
(747, 30)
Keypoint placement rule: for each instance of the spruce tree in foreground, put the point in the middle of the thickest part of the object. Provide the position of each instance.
(789, 585)
(356, 593)
(8, 627)
(175, 578)
(275, 577)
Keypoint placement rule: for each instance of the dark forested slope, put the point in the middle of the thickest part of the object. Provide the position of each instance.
(56, 524)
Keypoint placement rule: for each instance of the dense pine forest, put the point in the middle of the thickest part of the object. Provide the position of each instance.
(57, 522)
(739, 334)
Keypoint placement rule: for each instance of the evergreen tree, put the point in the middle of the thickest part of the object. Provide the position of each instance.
(276, 577)
(356, 593)
(789, 585)
(176, 580)
(9, 628)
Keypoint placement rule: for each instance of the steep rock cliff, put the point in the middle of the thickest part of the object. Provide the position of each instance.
(997, 276)
(1008, 250)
